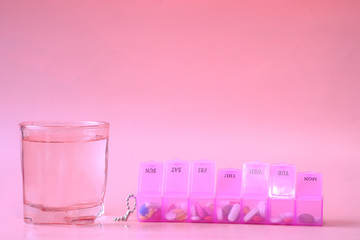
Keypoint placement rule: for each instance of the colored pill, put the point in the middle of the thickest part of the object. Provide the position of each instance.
(234, 212)
(157, 215)
(227, 209)
(288, 220)
(208, 218)
(143, 210)
(287, 217)
(151, 212)
(181, 216)
(306, 218)
(141, 217)
(172, 206)
(258, 219)
(199, 210)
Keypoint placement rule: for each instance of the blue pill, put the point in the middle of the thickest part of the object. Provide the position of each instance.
(143, 210)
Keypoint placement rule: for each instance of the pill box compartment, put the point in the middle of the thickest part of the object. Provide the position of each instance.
(282, 194)
(202, 191)
(201, 209)
(175, 191)
(255, 190)
(254, 210)
(149, 192)
(228, 210)
(228, 196)
(175, 209)
(149, 209)
(309, 199)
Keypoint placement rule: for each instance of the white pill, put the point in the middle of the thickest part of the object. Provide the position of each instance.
(195, 218)
(275, 220)
(234, 212)
(262, 208)
(219, 213)
(251, 214)
(170, 216)
(192, 210)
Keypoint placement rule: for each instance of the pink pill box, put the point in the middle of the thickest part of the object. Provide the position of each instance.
(175, 191)
(202, 191)
(309, 199)
(149, 196)
(255, 192)
(228, 196)
(180, 191)
(282, 194)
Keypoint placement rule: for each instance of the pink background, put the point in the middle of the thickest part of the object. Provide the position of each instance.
(229, 81)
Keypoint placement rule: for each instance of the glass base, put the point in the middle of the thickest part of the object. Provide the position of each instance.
(70, 216)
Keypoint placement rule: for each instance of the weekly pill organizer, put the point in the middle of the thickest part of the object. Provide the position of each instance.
(260, 193)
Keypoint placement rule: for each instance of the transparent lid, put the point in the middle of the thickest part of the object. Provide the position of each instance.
(150, 178)
(176, 176)
(309, 184)
(255, 179)
(202, 178)
(282, 180)
(229, 182)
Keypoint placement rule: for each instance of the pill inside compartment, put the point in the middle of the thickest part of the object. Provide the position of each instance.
(228, 210)
(309, 199)
(149, 209)
(149, 196)
(255, 192)
(175, 191)
(228, 196)
(202, 191)
(201, 210)
(254, 210)
(175, 209)
(282, 194)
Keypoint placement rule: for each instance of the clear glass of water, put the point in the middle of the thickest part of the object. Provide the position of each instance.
(64, 169)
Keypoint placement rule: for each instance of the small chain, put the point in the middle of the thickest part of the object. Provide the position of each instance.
(127, 214)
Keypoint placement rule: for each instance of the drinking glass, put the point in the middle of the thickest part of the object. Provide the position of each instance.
(64, 169)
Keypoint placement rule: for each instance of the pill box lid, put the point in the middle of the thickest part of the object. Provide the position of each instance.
(309, 184)
(255, 179)
(229, 183)
(282, 180)
(150, 178)
(202, 178)
(176, 178)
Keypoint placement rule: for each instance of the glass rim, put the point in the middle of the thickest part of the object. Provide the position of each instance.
(63, 124)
